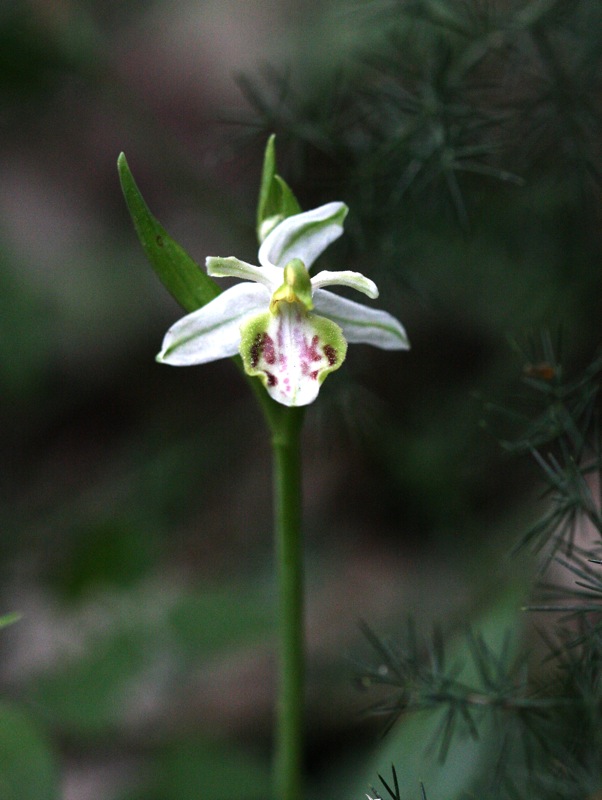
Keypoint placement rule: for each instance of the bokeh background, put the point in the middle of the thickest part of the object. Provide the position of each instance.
(135, 513)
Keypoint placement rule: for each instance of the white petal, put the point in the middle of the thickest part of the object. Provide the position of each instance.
(345, 278)
(303, 236)
(271, 277)
(213, 331)
(361, 324)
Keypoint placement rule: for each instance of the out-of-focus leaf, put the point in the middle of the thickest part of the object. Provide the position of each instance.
(89, 695)
(9, 619)
(31, 61)
(221, 619)
(181, 276)
(27, 768)
(26, 323)
(117, 550)
(198, 768)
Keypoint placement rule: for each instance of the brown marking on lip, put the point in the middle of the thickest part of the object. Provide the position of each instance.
(313, 353)
(263, 345)
(256, 350)
(331, 354)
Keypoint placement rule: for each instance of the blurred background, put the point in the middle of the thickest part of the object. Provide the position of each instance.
(135, 515)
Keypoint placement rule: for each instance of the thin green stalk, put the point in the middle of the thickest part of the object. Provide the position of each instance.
(291, 679)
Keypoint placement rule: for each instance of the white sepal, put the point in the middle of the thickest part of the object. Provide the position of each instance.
(304, 236)
(213, 331)
(361, 324)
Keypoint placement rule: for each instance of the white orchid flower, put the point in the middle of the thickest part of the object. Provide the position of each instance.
(290, 332)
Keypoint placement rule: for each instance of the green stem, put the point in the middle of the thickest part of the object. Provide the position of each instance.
(286, 435)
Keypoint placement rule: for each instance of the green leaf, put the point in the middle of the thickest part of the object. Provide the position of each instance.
(181, 276)
(276, 199)
(27, 767)
(88, 694)
(205, 623)
(196, 767)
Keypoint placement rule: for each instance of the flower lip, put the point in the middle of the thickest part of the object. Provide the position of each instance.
(291, 352)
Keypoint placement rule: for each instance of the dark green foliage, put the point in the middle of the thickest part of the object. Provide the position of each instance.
(562, 432)
(547, 717)
(428, 678)
(393, 791)
(27, 764)
(445, 97)
(465, 137)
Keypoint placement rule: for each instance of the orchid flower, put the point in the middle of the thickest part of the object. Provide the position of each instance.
(290, 332)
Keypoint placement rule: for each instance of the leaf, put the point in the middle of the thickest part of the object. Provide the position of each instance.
(27, 767)
(216, 620)
(181, 276)
(276, 199)
(195, 768)
(90, 693)
(10, 618)
(88, 696)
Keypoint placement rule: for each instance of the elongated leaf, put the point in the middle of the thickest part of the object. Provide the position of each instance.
(181, 276)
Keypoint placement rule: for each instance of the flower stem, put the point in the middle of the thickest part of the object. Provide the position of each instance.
(291, 693)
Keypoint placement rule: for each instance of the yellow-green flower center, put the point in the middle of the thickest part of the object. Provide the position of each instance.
(296, 287)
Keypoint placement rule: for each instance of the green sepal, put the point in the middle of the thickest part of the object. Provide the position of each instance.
(276, 199)
(181, 276)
